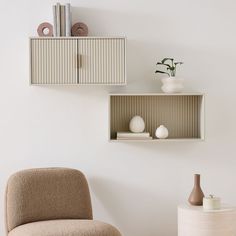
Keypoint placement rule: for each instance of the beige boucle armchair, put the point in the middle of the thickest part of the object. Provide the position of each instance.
(51, 202)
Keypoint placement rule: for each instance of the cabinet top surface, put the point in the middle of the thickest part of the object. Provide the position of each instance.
(157, 94)
(199, 209)
(87, 37)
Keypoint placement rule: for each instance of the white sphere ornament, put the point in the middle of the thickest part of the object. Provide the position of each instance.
(162, 132)
(137, 124)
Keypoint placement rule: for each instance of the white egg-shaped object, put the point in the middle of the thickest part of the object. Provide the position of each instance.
(137, 124)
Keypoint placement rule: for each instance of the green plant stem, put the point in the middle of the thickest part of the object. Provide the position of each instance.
(171, 66)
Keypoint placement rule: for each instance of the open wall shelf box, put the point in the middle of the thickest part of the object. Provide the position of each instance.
(182, 114)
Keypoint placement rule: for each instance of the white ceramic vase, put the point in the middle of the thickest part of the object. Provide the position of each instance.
(137, 124)
(162, 132)
(172, 85)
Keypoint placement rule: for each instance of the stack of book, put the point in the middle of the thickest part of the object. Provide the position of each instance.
(61, 20)
(133, 136)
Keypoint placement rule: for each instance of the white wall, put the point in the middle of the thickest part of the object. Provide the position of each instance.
(134, 186)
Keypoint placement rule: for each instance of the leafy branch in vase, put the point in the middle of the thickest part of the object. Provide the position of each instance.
(170, 66)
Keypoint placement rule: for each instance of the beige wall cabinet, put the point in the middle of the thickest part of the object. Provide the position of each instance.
(83, 60)
(182, 114)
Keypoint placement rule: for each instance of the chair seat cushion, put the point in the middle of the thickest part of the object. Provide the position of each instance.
(65, 228)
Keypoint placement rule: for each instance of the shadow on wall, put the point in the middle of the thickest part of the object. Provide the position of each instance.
(136, 211)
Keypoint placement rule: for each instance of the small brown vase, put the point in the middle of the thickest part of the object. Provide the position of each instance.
(196, 196)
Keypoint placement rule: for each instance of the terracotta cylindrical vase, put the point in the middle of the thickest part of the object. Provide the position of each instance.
(196, 196)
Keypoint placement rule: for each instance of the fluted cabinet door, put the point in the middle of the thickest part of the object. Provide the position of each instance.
(54, 61)
(101, 61)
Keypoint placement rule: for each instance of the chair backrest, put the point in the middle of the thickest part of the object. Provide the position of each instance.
(46, 194)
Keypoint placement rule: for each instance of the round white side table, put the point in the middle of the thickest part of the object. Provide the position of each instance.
(194, 221)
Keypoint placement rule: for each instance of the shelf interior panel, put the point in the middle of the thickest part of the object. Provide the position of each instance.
(180, 114)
